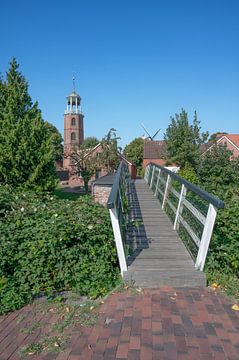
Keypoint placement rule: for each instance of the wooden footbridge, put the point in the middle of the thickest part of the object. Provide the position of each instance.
(162, 227)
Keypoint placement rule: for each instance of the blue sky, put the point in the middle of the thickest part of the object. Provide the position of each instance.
(135, 60)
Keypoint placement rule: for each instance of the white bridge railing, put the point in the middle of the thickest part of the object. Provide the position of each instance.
(118, 208)
(192, 210)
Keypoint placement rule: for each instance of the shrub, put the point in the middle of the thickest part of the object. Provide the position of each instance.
(224, 247)
(49, 245)
(189, 174)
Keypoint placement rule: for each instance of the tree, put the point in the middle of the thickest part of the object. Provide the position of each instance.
(183, 140)
(86, 162)
(56, 140)
(217, 173)
(26, 157)
(214, 136)
(134, 152)
(90, 142)
(109, 156)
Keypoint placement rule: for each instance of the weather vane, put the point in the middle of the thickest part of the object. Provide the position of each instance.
(73, 80)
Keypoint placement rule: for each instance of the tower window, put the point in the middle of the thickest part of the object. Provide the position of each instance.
(73, 121)
(73, 136)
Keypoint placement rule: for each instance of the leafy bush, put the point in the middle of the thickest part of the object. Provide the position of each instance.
(49, 245)
(189, 174)
(224, 247)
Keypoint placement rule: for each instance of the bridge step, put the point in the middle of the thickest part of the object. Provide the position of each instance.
(158, 255)
(156, 278)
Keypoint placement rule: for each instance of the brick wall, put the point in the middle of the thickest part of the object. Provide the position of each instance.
(101, 194)
(161, 162)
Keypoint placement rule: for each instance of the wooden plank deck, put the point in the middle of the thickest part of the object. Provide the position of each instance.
(159, 256)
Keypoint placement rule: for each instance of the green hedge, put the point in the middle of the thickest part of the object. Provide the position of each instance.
(224, 247)
(49, 245)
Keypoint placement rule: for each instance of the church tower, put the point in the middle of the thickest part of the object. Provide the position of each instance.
(73, 126)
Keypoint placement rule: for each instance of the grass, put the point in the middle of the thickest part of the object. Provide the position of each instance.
(69, 316)
(224, 282)
(62, 194)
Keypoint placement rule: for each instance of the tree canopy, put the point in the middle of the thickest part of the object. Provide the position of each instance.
(217, 173)
(26, 156)
(134, 151)
(183, 140)
(89, 142)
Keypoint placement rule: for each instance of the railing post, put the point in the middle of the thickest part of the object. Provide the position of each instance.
(166, 190)
(146, 175)
(180, 207)
(206, 237)
(156, 188)
(118, 240)
(152, 178)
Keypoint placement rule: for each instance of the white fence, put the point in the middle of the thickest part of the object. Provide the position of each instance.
(192, 210)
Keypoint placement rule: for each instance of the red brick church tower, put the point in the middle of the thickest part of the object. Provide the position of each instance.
(73, 127)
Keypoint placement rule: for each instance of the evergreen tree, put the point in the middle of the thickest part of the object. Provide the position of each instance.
(183, 140)
(26, 157)
(56, 140)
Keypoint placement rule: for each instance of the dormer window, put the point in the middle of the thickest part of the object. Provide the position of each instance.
(73, 136)
(73, 121)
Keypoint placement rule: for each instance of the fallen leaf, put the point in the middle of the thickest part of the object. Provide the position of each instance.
(92, 307)
(67, 309)
(108, 320)
(214, 285)
(235, 307)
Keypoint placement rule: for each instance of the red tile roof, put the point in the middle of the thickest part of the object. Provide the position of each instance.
(234, 138)
(154, 149)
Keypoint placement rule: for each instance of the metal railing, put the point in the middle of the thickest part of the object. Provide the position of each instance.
(118, 208)
(192, 210)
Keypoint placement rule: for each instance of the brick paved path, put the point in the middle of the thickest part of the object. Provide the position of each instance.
(163, 323)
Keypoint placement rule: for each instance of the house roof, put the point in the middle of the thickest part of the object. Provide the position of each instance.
(154, 149)
(232, 138)
(106, 180)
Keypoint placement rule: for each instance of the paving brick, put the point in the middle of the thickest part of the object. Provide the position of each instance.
(146, 352)
(122, 350)
(134, 342)
(164, 323)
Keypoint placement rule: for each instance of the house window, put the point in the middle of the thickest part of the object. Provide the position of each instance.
(73, 136)
(73, 121)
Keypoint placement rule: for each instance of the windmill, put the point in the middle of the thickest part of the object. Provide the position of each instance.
(151, 138)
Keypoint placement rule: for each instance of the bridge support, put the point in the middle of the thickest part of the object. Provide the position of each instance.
(118, 240)
(206, 236)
